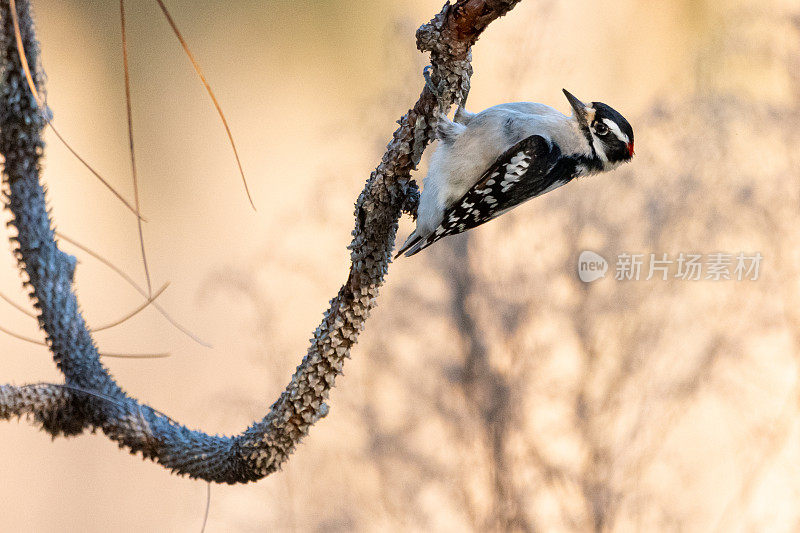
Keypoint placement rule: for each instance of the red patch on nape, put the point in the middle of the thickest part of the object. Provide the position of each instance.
(630, 149)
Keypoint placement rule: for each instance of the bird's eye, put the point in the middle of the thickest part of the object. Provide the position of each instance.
(600, 128)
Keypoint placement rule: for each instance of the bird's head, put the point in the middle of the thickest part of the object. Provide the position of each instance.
(608, 133)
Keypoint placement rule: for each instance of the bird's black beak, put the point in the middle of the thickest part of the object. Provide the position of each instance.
(579, 107)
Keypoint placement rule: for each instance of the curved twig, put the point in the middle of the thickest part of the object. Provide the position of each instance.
(266, 444)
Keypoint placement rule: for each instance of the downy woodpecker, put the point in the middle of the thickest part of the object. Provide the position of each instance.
(487, 163)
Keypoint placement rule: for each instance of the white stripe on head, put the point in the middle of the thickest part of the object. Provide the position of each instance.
(598, 148)
(615, 128)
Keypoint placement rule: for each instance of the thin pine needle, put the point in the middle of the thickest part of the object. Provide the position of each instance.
(99, 395)
(121, 273)
(210, 92)
(74, 388)
(134, 312)
(22, 337)
(208, 507)
(102, 354)
(103, 260)
(97, 175)
(135, 355)
(42, 105)
(23, 56)
(17, 306)
(130, 143)
(110, 325)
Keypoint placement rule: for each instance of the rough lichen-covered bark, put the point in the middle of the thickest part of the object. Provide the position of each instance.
(90, 398)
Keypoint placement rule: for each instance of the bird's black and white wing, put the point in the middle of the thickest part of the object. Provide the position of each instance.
(528, 169)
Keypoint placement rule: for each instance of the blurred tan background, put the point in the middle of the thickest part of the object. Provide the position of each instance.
(492, 390)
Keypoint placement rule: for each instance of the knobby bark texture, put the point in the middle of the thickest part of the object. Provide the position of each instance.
(90, 399)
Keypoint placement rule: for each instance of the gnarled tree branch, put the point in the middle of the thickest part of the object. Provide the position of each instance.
(90, 398)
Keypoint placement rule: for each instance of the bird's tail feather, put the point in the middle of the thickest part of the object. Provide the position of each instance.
(412, 240)
(416, 243)
(419, 246)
